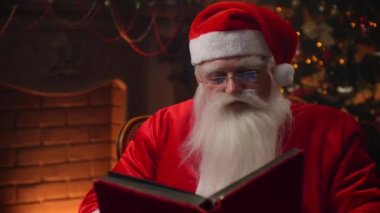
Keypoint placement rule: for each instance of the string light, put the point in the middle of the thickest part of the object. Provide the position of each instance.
(314, 59)
(107, 3)
(278, 9)
(334, 10)
(348, 13)
(308, 61)
(318, 44)
(353, 24)
(341, 61)
(295, 66)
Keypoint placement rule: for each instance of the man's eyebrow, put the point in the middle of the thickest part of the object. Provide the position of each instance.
(251, 62)
(211, 68)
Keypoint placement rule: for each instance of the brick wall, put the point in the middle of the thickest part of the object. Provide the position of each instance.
(51, 148)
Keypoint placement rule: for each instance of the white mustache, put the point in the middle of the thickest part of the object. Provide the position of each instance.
(248, 97)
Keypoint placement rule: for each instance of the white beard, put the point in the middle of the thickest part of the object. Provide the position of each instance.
(232, 142)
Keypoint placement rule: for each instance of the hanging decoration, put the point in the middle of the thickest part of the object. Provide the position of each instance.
(132, 42)
(173, 34)
(9, 19)
(49, 14)
(86, 19)
(122, 30)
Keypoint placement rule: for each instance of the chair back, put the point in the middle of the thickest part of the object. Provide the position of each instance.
(127, 132)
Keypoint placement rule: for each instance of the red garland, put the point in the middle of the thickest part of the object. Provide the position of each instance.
(9, 19)
(91, 14)
(174, 33)
(124, 35)
(117, 37)
(34, 24)
(87, 18)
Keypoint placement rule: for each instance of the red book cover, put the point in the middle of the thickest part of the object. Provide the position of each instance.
(275, 187)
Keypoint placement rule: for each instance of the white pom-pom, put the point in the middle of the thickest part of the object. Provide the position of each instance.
(283, 74)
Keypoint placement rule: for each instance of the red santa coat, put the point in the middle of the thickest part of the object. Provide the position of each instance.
(338, 173)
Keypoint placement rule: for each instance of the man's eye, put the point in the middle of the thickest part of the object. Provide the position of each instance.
(248, 76)
(218, 79)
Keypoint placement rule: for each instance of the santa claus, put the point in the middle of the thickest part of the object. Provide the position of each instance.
(238, 120)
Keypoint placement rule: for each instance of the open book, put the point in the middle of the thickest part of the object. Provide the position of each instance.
(275, 187)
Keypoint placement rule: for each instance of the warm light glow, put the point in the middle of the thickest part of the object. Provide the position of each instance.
(318, 44)
(42, 187)
(308, 61)
(107, 3)
(353, 24)
(320, 62)
(298, 33)
(278, 9)
(314, 58)
(372, 24)
(341, 61)
(362, 26)
(295, 66)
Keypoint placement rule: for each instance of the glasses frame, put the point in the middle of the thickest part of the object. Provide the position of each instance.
(246, 77)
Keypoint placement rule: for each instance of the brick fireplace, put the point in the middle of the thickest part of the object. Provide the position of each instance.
(52, 146)
(61, 108)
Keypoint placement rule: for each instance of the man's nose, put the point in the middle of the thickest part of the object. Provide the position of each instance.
(233, 86)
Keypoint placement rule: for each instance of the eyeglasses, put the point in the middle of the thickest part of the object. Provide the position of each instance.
(248, 77)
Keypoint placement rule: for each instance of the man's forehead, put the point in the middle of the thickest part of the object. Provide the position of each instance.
(220, 64)
(252, 60)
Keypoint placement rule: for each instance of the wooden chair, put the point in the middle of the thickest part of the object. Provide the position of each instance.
(127, 132)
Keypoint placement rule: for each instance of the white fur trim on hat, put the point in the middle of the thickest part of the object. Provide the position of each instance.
(283, 74)
(223, 44)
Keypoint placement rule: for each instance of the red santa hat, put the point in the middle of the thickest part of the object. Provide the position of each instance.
(228, 29)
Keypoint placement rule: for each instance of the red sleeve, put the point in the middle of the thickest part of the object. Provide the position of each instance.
(356, 186)
(138, 160)
(89, 202)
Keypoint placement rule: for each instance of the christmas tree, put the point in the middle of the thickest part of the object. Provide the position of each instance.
(338, 59)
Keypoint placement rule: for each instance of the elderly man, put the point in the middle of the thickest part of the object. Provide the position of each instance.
(239, 120)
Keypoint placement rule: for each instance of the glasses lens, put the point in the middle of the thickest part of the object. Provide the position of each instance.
(250, 76)
(244, 77)
(217, 80)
